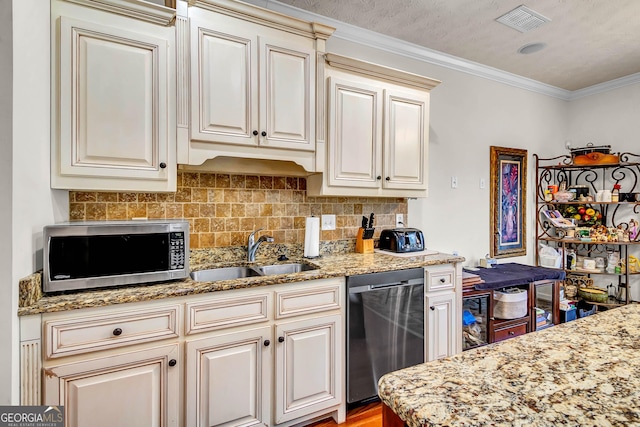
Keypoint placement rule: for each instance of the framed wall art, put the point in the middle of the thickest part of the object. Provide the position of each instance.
(508, 202)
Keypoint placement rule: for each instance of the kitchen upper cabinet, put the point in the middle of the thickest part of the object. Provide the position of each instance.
(113, 98)
(355, 132)
(252, 85)
(378, 132)
(136, 388)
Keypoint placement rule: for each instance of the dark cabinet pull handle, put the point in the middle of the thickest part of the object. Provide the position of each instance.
(378, 177)
(511, 333)
(388, 178)
(163, 165)
(263, 133)
(432, 308)
(266, 343)
(117, 331)
(255, 132)
(173, 362)
(280, 339)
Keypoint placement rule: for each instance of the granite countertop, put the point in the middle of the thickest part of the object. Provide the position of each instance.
(582, 373)
(335, 265)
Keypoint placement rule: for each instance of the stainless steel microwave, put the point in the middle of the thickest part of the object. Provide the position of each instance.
(95, 254)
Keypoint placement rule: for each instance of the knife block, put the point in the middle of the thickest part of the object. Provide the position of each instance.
(364, 241)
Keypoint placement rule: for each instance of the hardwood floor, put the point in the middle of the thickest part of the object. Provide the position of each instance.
(369, 415)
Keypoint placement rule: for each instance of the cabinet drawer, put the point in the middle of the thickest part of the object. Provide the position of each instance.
(308, 300)
(510, 332)
(66, 337)
(440, 278)
(228, 312)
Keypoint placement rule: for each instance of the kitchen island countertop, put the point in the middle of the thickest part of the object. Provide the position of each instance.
(334, 265)
(582, 373)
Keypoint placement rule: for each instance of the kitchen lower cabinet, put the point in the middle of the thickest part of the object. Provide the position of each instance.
(308, 366)
(443, 311)
(113, 96)
(135, 388)
(228, 378)
(279, 368)
(441, 321)
(270, 355)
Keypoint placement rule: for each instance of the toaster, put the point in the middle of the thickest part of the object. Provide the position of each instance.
(402, 240)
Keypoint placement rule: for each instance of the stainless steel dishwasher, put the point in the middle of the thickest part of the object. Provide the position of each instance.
(385, 328)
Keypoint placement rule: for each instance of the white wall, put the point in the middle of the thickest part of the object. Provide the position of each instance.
(6, 285)
(468, 115)
(32, 203)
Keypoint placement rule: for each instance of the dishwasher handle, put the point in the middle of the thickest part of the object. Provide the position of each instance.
(389, 285)
(367, 288)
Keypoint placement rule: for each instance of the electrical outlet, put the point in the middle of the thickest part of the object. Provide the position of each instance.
(454, 182)
(328, 222)
(400, 220)
(482, 183)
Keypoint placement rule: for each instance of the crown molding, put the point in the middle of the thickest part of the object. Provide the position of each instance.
(389, 44)
(606, 86)
(139, 9)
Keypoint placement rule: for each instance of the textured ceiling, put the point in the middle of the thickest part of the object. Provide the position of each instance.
(588, 41)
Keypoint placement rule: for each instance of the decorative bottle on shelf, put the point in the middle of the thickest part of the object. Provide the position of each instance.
(615, 194)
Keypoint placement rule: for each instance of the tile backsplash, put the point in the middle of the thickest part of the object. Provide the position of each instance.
(222, 209)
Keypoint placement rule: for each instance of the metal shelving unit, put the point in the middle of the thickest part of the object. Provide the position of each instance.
(560, 170)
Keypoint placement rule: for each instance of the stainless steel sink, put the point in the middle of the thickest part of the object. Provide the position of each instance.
(224, 273)
(268, 270)
(230, 273)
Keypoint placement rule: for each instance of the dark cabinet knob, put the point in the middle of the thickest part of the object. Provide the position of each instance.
(117, 331)
(511, 333)
(432, 308)
(163, 165)
(442, 280)
(263, 133)
(266, 343)
(173, 362)
(378, 177)
(388, 178)
(255, 132)
(280, 339)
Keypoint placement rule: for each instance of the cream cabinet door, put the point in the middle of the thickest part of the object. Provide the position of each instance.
(251, 85)
(406, 130)
(440, 325)
(308, 366)
(355, 134)
(287, 93)
(224, 79)
(128, 389)
(227, 380)
(112, 105)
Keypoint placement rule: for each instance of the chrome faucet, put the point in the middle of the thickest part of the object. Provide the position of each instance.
(252, 244)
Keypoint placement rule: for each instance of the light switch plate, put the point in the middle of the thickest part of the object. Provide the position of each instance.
(328, 222)
(400, 220)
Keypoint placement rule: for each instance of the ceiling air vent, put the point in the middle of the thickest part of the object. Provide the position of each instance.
(523, 19)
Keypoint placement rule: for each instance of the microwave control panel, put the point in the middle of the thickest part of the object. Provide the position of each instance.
(177, 251)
